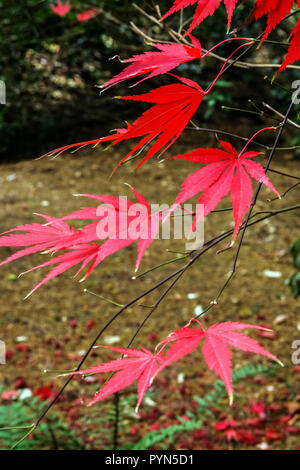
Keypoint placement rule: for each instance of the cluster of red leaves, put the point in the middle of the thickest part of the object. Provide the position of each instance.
(79, 246)
(225, 171)
(276, 10)
(257, 424)
(63, 8)
(204, 9)
(143, 365)
(265, 427)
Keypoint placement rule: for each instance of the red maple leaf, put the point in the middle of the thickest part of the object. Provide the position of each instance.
(132, 222)
(272, 434)
(215, 350)
(123, 222)
(247, 437)
(61, 9)
(174, 106)
(294, 49)
(257, 408)
(203, 10)
(225, 424)
(137, 365)
(83, 253)
(156, 63)
(44, 393)
(232, 435)
(87, 15)
(225, 171)
(38, 237)
(110, 138)
(276, 11)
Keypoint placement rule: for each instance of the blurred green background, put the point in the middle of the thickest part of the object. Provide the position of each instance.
(51, 64)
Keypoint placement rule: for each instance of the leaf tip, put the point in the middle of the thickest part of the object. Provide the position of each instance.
(28, 295)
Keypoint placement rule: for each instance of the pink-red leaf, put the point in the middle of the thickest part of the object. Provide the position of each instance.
(217, 354)
(241, 196)
(224, 172)
(140, 366)
(123, 222)
(87, 15)
(276, 11)
(204, 9)
(294, 50)
(156, 63)
(61, 8)
(174, 106)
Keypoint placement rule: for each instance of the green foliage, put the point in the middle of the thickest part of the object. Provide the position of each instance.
(169, 434)
(52, 433)
(109, 425)
(294, 280)
(238, 375)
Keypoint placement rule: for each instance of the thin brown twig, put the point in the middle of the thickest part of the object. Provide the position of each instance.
(272, 153)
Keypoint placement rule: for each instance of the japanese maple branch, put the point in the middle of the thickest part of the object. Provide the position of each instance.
(177, 275)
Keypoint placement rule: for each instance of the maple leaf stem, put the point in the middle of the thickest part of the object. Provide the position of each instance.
(253, 137)
(225, 41)
(31, 430)
(57, 371)
(103, 298)
(165, 263)
(224, 67)
(8, 428)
